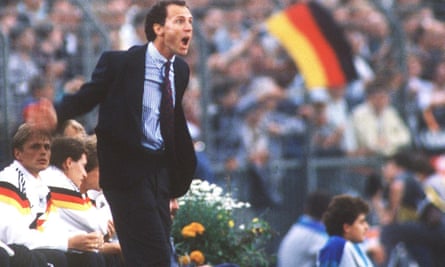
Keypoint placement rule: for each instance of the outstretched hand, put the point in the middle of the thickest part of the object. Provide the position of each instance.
(41, 115)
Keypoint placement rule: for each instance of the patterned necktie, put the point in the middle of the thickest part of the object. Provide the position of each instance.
(167, 116)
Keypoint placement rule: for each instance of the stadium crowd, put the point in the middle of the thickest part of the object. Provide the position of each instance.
(257, 108)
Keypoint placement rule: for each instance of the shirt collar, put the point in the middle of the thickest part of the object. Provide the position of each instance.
(27, 175)
(158, 59)
(35, 182)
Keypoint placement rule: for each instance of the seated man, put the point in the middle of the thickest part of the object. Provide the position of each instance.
(90, 186)
(345, 221)
(69, 207)
(23, 196)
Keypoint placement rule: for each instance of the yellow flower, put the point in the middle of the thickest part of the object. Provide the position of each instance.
(184, 260)
(255, 220)
(257, 230)
(197, 257)
(231, 223)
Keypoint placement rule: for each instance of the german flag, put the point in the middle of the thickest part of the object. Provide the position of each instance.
(316, 43)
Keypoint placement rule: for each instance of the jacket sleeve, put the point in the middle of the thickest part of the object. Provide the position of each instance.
(90, 93)
(88, 220)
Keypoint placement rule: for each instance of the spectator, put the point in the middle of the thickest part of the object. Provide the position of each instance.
(373, 194)
(375, 128)
(34, 10)
(8, 19)
(22, 67)
(228, 144)
(432, 103)
(211, 21)
(326, 137)
(307, 236)
(263, 131)
(424, 239)
(414, 92)
(356, 90)
(133, 33)
(68, 16)
(431, 180)
(50, 55)
(402, 191)
(39, 88)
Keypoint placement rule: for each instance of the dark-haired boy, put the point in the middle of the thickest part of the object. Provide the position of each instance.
(345, 221)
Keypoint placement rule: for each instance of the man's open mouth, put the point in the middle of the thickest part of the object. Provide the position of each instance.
(185, 40)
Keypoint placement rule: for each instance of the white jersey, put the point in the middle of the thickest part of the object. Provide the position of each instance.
(69, 208)
(23, 198)
(339, 252)
(100, 202)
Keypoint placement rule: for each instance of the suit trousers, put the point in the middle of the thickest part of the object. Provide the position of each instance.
(141, 216)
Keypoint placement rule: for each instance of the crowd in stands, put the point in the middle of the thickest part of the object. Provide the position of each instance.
(257, 107)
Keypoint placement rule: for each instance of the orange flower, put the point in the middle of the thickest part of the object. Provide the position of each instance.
(197, 257)
(197, 227)
(184, 260)
(187, 232)
(190, 231)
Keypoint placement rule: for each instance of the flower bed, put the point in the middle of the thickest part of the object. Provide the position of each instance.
(206, 231)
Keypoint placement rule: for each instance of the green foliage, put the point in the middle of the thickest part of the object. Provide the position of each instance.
(223, 239)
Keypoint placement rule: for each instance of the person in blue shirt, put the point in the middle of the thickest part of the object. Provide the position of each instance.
(345, 222)
(307, 236)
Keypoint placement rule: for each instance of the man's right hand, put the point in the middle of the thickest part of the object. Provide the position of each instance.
(42, 115)
(86, 242)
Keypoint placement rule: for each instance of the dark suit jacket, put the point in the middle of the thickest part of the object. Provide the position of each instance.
(117, 85)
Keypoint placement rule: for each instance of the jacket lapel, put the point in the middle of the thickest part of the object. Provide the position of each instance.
(135, 72)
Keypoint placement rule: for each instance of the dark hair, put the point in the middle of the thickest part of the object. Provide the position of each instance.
(43, 30)
(421, 163)
(157, 15)
(343, 209)
(223, 87)
(26, 132)
(373, 184)
(402, 158)
(378, 85)
(317, 203)
(38, 83)
(66, 147)
(17, 31)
